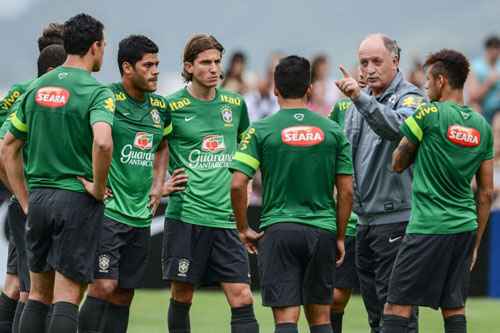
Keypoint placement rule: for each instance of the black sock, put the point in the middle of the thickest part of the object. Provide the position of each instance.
(325, 328)
(336, 321)
(33, 317)
(93, 315)
(394, 324)
(117, 318)
(17, 317)
(455, 324)
(243, 320)
(64, 318)
(178, 317)
(286, 328)
(7, 312)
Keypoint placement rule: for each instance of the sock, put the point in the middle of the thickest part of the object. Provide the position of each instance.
(326, 328)
(117, 318)
(93, 315)
(455, 324)
(64, 318)
(33, 317)
(17, 317)
(243, 320)
(7, 312)
(394, 324)
(336, 321)
(178, 317)
(286, 328)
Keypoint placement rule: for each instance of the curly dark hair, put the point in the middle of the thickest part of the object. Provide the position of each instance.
(292, 76)
(51, 34)
(451, 64)
(196, 45)
(80, 32)
(50, 57)
(133, 48)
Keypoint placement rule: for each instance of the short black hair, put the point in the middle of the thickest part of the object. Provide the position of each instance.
(133, 48)
(292, 76)
(451, 64)
(80, 32)
(51, 56)
(51, 34)
(492, 42)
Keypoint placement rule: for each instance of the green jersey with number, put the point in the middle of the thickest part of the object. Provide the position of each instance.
(55, 116)
(203, 141)
(453, 142)
(138, 129)
(338, 116)
(299, 154)
(8, 101)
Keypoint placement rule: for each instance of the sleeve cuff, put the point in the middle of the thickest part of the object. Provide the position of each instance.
(243, 168)
(346, 170)
(167, 130)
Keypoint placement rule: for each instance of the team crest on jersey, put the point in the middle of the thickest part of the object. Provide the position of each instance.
(183, 267)
(104, 262)
(52, 97)
(155, 115)
(143, 140)
(62, 75)
(213, 143)
(464, 136)
(299, 116)
(302, 136)
(227, 116)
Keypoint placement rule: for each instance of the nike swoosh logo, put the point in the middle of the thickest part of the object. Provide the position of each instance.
(189, 118)
(392, 240)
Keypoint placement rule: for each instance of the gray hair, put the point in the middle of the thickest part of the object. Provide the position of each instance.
(392, 46)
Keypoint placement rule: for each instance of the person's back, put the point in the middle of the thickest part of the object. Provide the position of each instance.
(60, 107)
(454, 142)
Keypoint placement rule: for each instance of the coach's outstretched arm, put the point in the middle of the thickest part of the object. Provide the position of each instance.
(12, 158)
(484, 197)
(239, 200)
(343, 183)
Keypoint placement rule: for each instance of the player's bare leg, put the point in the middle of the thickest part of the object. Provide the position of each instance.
(180, 303)
(286, 318)
(341, 297)
(37, 307)
(239, 297)
(8, 302)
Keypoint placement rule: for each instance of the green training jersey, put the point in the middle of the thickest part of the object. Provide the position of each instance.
(453, 141)
(138, 129)
(8, 101)
(55, 117)
(338, 116)
(203, 141)
(299, 154)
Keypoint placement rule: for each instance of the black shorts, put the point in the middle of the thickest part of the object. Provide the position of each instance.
(432, 270)
(346, 275)
(12, 255)
(296, 265)
(203, 255)
(62, 233)
(17, 226)
(123, 253)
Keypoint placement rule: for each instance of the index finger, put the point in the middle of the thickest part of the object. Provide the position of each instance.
(344, 71)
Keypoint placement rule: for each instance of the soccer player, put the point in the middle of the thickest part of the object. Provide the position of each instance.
(201, 244)
(381, 196)
(450, 144)
(141, 123)
(302, 157)
(65, 119)
(51, 57)
(16, 284)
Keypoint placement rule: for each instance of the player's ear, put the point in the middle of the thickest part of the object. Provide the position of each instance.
(127, 67)
(188, 67)
(276, 92)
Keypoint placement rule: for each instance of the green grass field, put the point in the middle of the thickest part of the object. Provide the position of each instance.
(210, 314)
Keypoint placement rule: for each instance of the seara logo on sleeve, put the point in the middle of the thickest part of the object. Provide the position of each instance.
(302, 136)
(143, 140)
(52, 97)
(464, 136)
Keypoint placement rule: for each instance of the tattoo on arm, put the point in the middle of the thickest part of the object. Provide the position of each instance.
(404, 155)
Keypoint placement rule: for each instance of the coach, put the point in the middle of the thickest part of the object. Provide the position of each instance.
(381, 196)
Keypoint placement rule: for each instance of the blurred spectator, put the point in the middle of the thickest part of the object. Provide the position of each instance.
(234, 75)
(416, 75)
(484, 80)
(324, 91)
(261, 101)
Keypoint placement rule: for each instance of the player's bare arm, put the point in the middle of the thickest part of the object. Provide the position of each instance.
(159, 169)
(484, 197)
(102, 153)
(239, 199)
(404, 155)
(12, 158)
(343, 184)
